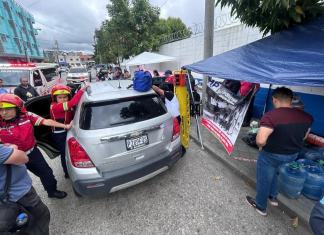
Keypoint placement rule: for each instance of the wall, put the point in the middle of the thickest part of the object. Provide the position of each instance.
(190, 50)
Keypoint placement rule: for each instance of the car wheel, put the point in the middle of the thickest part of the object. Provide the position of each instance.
(76, 193)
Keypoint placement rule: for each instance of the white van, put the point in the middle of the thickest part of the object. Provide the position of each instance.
(42, 76)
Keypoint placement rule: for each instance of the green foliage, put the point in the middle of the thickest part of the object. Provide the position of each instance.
(273, 15)
(133, 27)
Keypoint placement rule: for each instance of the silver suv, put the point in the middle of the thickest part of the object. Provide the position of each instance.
(120, 137)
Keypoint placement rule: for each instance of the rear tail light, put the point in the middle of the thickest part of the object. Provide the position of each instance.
(176, 129)
(78, 155)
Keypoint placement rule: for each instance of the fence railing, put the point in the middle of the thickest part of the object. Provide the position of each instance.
(220, 21)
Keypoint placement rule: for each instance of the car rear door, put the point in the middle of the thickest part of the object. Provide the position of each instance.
(41, 105)
(125, 132)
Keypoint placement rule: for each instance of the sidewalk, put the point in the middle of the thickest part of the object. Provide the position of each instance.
(243, 163)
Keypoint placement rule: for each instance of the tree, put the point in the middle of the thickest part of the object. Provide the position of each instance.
(172, 26)
(273, 15)
(133, 27)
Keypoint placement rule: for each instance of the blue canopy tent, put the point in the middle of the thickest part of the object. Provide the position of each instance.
(293, 57)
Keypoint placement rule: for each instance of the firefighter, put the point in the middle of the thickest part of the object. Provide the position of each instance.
(16, 127)
(62, 111)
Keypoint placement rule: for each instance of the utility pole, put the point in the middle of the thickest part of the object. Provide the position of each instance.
(56, 51)
(208, 37)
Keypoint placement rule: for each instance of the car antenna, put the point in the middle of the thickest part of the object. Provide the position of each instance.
(119, 83)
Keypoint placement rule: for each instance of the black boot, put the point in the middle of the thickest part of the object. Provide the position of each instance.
(57, 194)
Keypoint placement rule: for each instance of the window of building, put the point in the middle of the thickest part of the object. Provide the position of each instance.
(3, 38)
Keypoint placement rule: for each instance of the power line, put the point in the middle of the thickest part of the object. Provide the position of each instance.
(164, 3)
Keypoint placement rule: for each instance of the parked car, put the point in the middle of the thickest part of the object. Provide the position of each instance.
(42, 76)
(77, 75)
(120, 137)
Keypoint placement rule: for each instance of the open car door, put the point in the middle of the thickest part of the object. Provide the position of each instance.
(41, 106)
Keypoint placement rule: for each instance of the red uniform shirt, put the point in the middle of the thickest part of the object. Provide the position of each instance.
(63, 112)
(21, 131)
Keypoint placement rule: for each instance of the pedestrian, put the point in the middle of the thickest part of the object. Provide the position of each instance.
(155, 73)
(280, 139)
(16, 127)
(117, 73)
(2, 90)
(62, 111)
(25, 91)
(127, 74)
(316, 220)
(19, 194)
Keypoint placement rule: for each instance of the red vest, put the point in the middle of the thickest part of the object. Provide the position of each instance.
(21, 131)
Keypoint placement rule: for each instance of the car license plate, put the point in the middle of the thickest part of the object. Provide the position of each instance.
(133, 143)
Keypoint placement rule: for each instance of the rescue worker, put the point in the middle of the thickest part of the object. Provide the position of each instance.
(16, 127)
(62, 111)
(25, 91)
(169, 98)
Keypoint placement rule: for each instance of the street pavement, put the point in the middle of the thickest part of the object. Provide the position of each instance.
(198, 195)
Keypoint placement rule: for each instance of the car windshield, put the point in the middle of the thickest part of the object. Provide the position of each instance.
(78, 70)
(11, 77)
(120, 112)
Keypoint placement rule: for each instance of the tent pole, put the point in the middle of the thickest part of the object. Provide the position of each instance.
(196, 116)
(266, 101)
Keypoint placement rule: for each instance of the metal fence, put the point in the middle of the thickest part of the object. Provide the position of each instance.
(220, 21)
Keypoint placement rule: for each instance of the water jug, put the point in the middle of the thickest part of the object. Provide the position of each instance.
(291, 179)
(314, 184)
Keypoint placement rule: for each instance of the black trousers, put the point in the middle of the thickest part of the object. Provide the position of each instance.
(38, 213)
(316, 220)
(60, 140)
(38, 166)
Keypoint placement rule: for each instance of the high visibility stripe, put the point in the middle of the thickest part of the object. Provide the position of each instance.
(65, 106)
(39, 120)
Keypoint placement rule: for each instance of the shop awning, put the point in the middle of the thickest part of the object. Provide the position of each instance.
(292, 57)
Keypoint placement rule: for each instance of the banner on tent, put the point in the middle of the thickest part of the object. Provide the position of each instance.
(224, 113)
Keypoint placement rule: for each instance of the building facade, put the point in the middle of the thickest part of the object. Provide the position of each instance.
(17, 34)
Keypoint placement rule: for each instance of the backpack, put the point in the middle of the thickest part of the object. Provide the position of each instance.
(142, 81)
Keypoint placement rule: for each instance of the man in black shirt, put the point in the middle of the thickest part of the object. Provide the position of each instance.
(25, 91)
(280, 139)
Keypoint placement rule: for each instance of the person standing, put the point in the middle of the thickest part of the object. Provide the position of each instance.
(25, 91)
(20, 191)
(117, 73)
(17, 127)
(2, 90)
(280, 139)
(62, 111)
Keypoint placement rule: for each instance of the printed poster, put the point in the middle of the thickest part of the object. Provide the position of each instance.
(224, 113)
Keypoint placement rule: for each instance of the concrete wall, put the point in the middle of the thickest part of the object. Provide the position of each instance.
(190, 50)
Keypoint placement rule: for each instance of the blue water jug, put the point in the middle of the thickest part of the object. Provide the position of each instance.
(306, 163)
(310, 153)
(291, 179)
(314, 184)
